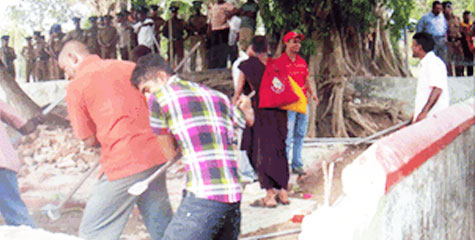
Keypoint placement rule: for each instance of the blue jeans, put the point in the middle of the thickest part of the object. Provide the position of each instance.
(203, 219)
(13, 209)
(110, 205)
(297, 124)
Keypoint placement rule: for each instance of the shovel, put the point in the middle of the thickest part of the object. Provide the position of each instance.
(139, 187)
(52, 105)
(388, 130)
(53, 211)
(17, 136)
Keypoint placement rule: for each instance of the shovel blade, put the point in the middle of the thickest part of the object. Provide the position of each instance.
(53, 214)
(51, 211)
(137, 188)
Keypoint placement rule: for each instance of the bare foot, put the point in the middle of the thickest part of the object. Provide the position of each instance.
(283, 197)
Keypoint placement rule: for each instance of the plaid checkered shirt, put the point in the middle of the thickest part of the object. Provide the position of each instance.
(202, 121)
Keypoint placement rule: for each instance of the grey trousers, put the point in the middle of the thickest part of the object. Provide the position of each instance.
(109, 207)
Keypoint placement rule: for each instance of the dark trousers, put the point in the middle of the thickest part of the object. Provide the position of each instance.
(233, 53)
(178, 52)
(203, 219)
(219, 50)
(124, 53)
(468, 62)
(467, 57)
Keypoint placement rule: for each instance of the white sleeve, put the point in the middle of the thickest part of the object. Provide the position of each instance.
(136, 26)
(438, 75)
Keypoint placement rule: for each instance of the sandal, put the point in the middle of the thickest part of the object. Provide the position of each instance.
(262, 203)
(277, 199)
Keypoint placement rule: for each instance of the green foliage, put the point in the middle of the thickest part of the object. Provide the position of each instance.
(41, 14)
(399, 18)
(312, 15)
(309, 47)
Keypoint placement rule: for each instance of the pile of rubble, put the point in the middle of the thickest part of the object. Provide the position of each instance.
(55, 148)
(58, 151)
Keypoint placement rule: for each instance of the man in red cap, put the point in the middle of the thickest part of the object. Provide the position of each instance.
(297, 123)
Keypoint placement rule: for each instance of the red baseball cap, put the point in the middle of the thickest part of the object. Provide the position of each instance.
(292, 35)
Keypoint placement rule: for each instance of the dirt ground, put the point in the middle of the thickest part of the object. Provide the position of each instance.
(312, 183)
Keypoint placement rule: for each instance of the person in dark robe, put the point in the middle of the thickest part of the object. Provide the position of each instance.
(265, 140)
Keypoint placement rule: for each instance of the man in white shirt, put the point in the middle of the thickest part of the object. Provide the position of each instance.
(432, 93)
(145, 35)
(434, 23)
(235, 67)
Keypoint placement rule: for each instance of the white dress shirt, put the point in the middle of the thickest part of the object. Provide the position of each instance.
(432, 73)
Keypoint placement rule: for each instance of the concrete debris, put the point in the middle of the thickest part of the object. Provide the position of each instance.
(57, 149)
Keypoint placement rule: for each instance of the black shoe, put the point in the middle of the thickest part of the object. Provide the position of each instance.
(298, 171)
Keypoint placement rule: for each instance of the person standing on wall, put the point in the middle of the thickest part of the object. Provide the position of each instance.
(434, 23)
(7, 56)
(196, 28)
(219, 13)
(468, 32)
(28, 53)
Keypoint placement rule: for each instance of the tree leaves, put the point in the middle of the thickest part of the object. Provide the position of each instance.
(308, 16)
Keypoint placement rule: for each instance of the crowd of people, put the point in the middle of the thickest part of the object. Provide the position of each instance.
(453, 38)
(190, 121)
(130, 35)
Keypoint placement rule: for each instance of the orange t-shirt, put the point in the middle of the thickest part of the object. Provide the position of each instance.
(102, 102)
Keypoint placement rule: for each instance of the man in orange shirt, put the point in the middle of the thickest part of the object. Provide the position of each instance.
(104, 108)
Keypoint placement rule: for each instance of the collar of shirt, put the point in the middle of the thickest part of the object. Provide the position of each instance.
(88, 60)
(427, 58)
(287, 57)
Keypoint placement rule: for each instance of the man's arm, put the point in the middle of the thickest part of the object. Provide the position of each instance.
(310, 91)
(169, 146)
(159, 125)
(244, 103)
(433, 97)
(239, 87)
(91, 141)
(13, 119)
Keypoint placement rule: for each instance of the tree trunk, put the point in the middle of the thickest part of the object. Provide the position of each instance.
(22, 102)
(16, 97)
(340, 56)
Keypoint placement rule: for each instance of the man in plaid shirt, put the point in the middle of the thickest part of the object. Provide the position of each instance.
(202, 121)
